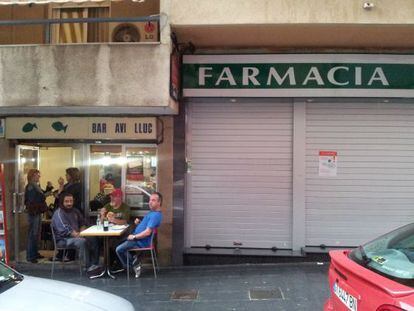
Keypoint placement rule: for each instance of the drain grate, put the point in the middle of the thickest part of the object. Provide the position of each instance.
(265, 294)
(191, 294)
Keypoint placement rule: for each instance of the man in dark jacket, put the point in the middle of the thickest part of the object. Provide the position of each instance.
(67, 224)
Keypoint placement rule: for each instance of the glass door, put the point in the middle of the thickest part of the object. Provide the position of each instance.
(27, 158)
(4, 251)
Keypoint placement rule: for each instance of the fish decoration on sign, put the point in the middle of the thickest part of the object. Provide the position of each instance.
(28, 127)
(58, 126)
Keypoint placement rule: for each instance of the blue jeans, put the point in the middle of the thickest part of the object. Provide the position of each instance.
(33, 237)
(81, 245)
(122, 251)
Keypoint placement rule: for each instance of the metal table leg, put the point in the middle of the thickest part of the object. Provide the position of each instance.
(107, 269)
(107, 263)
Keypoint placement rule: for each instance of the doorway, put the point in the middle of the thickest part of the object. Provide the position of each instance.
(51, 160)
(131, 167)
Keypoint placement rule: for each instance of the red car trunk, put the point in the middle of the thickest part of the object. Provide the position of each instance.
(354, 287)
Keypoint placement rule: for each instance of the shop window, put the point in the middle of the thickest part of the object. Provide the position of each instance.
(141, 176)
(131, 168)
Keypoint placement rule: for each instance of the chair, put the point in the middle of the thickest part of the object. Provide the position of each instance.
(151, 249)
(58, 247)
(45, 235)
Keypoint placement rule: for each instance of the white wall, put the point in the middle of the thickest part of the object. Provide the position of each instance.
(289, 11)
(85, 75)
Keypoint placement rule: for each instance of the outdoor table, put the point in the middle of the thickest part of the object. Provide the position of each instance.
(113, 231)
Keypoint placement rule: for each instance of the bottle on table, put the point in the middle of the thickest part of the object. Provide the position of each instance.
(105, 224)
(98, 221)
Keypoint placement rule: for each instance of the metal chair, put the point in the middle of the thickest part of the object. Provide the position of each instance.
(58, 247)
(151, 249)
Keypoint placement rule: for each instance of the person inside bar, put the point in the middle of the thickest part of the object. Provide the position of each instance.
(35, 203)
(73, 186)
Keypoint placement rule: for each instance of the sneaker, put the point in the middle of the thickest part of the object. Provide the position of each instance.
(137, 270)
(33, 260)
(40, 256)
(117, 270)
(95, 273)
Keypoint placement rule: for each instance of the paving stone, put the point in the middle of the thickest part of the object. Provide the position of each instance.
(303, 286)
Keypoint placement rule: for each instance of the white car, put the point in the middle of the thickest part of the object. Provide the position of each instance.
(21, 293)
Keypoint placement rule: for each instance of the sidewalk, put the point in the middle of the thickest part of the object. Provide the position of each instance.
(287, 286)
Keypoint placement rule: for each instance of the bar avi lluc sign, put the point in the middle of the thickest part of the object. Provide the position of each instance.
(298, 75)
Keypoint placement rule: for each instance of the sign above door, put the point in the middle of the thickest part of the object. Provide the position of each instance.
(93, 128)
(298, 75)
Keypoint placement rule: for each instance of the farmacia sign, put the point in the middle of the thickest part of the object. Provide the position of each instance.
(297, 75)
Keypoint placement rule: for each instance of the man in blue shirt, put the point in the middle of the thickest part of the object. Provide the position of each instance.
(141, 236)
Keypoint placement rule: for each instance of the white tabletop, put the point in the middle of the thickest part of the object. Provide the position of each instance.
(113, 230)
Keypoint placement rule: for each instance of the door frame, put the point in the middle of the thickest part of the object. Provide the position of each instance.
(18, 194)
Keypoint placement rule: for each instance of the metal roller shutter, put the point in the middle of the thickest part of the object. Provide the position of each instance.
(373, 191)
(240, 185)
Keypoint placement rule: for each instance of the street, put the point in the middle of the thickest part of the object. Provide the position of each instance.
(286, 286)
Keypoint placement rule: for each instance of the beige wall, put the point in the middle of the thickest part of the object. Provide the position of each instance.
(165, 186)
(134, 9)
(289, 11)
(53, 163)
(265, 26)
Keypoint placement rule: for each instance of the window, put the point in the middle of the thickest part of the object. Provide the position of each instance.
(131, 168)
(80, 32)
(141, 176)
(391, 255)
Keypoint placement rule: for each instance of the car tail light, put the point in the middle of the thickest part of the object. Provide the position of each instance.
(389, 308)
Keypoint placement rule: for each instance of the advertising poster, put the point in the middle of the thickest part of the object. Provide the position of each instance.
(328, 163)
(135, 169)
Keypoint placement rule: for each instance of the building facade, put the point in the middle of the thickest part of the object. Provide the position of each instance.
(87, 94)
(246, 169)
(295, 141)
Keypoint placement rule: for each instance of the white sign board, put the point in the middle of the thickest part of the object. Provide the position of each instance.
(328, 163)
(113, 128)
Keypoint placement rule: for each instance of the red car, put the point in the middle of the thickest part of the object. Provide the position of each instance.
(378, 276)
